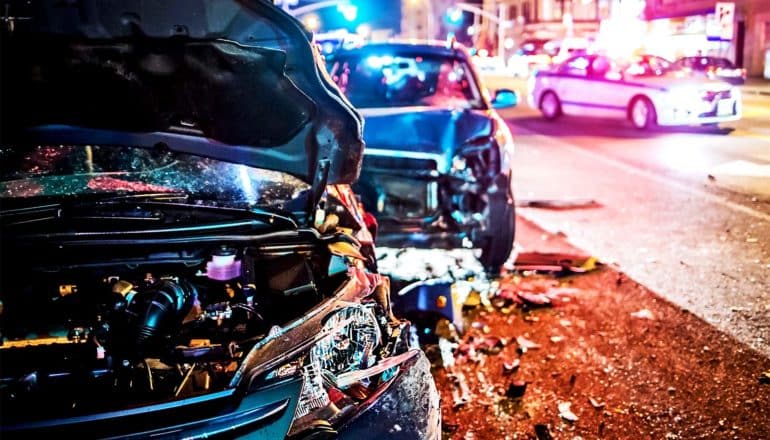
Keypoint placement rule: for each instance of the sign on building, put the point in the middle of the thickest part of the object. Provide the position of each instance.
(725, 18)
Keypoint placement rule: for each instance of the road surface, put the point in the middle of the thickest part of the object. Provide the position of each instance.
(684, 211)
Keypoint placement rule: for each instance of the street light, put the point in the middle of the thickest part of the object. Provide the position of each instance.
(312, 22)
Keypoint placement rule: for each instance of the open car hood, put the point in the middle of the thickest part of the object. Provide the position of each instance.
(233, 80)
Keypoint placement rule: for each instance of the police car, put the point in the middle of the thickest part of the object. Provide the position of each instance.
(646, 90)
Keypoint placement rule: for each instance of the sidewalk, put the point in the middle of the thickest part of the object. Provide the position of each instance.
(756, 86)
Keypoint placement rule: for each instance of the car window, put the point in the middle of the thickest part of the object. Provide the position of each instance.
(379, 80)
(576, 66)
(651, 66)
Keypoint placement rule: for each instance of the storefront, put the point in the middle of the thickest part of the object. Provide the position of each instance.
(687, 36)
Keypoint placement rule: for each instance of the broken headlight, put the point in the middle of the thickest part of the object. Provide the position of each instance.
(352, 358)
(354, 335)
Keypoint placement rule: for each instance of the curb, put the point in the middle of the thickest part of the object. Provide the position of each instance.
(756, 92)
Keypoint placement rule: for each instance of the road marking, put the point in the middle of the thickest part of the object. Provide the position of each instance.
(656, 178)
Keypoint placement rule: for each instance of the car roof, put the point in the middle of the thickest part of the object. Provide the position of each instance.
(416, 47)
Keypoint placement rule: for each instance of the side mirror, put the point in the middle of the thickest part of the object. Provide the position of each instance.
(505, 98)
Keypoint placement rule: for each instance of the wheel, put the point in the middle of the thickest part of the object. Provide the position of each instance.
(642, 113)
(495, 240)
(550, 106)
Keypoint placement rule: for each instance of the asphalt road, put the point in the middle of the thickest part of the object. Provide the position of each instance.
(684, 211)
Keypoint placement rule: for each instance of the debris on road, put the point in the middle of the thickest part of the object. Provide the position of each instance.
(516, 389)
(595, 403)
(566, 413)
(543, 432)
(525, 344)
(558, 203)
(555, 262)
(643, 314)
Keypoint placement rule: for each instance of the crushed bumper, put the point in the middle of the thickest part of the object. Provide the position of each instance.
(408, 409)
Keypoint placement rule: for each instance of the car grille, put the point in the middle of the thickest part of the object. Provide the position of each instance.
(711, 96)
(399, 163)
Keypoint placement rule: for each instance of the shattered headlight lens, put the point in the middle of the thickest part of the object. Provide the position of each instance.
(351, 344)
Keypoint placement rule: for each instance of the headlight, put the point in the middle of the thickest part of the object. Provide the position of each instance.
(352, 357)
(354, 335)
(688, 98)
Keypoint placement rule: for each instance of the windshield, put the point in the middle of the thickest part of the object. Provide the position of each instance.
(404, 80)
(70, 171)
(650, 66)
(705, 63)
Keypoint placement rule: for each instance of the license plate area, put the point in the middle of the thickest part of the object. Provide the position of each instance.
(725, 107)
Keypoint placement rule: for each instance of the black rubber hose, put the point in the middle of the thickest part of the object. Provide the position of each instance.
(168, 300)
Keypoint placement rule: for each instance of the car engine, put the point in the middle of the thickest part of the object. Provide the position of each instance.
(143, 332)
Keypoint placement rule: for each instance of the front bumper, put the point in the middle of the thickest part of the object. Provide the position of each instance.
(724, 110)
(408, 409)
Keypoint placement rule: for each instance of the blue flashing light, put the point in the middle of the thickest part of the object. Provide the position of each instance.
(454, 16)
(350, 12)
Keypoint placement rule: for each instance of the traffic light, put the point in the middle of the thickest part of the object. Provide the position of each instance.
(454, 16)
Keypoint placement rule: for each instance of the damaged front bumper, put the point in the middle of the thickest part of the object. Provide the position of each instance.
(418, 204)
(408, 409)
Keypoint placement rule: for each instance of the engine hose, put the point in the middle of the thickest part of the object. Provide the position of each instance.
(167, 301)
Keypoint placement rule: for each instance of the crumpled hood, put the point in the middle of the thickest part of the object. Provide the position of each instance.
(236, 80)
(424, 129)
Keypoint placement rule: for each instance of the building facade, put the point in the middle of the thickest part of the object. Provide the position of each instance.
(691, 26)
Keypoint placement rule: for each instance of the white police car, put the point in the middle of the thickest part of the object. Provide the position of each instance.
(647, 90)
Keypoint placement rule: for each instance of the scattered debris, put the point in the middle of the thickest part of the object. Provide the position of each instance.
(558, 204)
(566, 413)
(555, 262)
(543, 432)
(516, 389)
(446, 348)
(510, 367)
(764, 378)
(557, 339)
(643, 314)
(460, 393)
(525, 344)
(671, 390)
(595, 403)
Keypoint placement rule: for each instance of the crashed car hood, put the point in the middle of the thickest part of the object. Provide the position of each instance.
(428, 130)
(233, 80)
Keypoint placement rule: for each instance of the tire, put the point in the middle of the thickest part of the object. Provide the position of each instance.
(496, 241)
(641, 112)
(550, 106)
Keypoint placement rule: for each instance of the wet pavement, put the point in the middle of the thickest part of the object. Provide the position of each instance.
(603, 358)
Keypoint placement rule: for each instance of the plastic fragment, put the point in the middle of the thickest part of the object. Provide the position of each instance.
(516, 389)
(566, 413)
(525, 344)
(510, 367)
(595, 403)
(643, 314)
(543, 432)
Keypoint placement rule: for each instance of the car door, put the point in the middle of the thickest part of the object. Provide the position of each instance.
(573, 88)
(610, 94)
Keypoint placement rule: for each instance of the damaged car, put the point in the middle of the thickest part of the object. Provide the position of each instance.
(437, 164)
(182, 254)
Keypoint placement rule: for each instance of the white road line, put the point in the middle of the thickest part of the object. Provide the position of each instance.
(655, 177)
